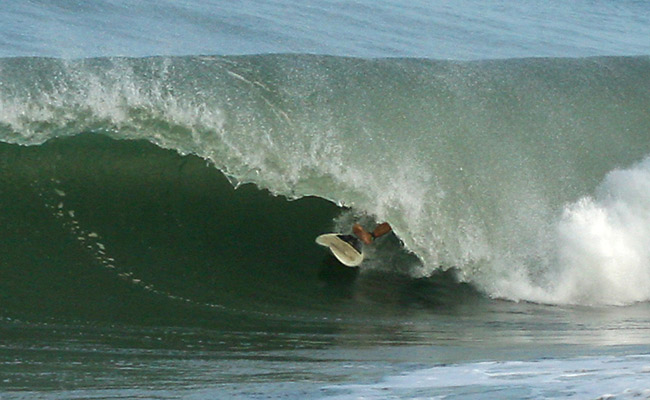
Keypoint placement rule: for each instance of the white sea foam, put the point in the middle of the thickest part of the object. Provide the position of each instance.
(604, 245)
(624, 377)
(602, 248)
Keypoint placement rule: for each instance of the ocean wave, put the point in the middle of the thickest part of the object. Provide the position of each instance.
(479, 166)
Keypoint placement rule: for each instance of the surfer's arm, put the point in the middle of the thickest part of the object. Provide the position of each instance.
(362, 234)
(381, 230)
(367, 237)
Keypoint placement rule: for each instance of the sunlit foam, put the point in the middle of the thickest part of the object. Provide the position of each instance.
(604, 242)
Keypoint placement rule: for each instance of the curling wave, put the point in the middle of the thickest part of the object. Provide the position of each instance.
(518, 173)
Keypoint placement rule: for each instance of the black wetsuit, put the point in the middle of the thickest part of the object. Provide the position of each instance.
(353, 240)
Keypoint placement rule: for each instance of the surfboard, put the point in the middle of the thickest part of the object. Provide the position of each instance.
(346, 248)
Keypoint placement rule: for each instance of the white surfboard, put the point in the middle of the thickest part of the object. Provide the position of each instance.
(346, 248)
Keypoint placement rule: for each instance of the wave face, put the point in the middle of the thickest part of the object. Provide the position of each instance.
(525, 175)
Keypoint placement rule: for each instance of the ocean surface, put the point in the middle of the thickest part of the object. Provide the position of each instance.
(165, 167)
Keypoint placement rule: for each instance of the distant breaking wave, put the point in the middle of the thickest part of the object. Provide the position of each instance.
(528, 176)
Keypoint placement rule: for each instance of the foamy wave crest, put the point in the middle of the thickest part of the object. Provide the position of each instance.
(602, 247)
(605, 242)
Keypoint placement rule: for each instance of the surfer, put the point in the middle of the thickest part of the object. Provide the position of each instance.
(367, 237)
(348, 249)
